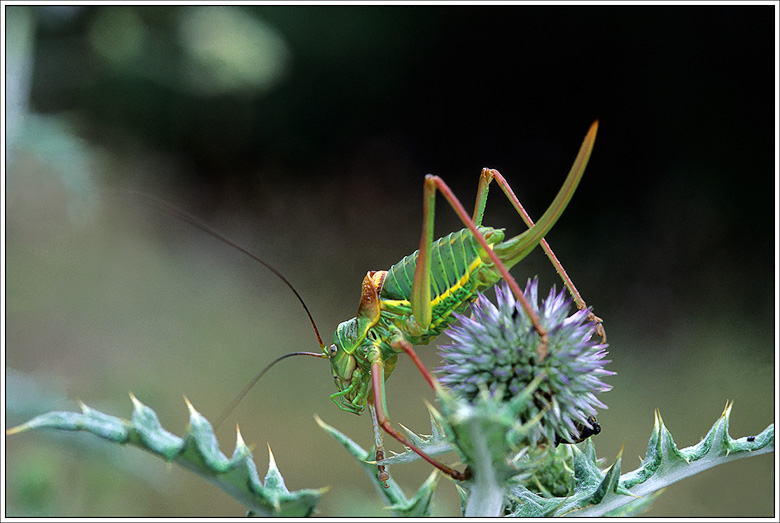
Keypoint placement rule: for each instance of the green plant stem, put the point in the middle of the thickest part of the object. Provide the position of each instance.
(486, 496)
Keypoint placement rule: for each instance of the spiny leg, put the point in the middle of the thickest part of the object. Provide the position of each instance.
(382, 474)
(487, 176)
(378, 381)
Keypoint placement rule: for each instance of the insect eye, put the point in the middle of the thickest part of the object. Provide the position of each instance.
(333, 350)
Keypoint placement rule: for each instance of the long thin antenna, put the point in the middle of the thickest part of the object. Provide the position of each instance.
(254, 380)
(182, 215)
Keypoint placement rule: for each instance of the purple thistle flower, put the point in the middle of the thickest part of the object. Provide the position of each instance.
(495, 349)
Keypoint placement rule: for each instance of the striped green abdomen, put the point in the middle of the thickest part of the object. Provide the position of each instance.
(458, 272)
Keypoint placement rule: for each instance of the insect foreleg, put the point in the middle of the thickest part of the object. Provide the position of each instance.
(382, 474)
(378, 382)
(487, 176)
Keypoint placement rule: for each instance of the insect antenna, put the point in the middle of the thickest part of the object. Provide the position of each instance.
(254, 380)
(195, 222)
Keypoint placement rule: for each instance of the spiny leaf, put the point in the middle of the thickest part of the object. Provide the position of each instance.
(434, 444)
(149, 433)
(665, 460)
(198, 451)
(600, 493)
(422, 501)
(397, 502)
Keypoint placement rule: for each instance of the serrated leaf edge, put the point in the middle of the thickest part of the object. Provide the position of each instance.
(198, 451)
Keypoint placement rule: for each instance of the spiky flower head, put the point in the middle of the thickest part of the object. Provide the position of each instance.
(494, 350)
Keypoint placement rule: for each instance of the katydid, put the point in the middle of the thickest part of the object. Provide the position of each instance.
(413, 301)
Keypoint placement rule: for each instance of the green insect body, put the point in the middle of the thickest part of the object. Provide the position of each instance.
(414, 301)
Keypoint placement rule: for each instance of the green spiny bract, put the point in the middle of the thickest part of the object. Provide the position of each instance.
(495, 350)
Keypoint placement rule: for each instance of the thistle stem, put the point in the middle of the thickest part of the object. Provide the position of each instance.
(486, 497)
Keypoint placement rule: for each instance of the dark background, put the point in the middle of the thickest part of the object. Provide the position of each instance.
(304, 132)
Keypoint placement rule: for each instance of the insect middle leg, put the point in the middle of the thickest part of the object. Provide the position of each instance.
(382, 474)
(378, 383)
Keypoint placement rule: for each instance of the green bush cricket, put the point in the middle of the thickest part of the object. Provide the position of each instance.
(413, 302)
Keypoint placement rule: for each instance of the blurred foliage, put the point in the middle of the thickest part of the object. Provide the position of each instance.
(304, 132)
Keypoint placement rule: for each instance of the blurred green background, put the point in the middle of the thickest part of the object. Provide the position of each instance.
(304, 133)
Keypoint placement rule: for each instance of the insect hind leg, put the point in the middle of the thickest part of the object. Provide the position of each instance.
(420, 298)
(487, 176)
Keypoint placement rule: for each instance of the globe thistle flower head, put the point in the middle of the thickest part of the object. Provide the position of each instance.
(494, 350)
